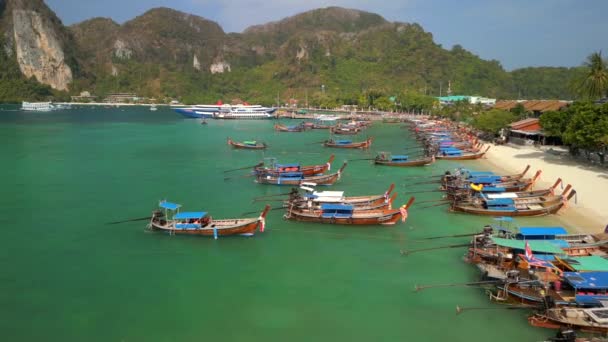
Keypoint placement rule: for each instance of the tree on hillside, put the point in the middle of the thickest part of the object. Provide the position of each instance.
(594, 84)
(554, 124)
(588, 128)
(493, 120)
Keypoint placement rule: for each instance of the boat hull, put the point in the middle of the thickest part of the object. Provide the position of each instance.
(384, 218)
(545, 210)
(223, 228)
(235, 144)
(417, 162)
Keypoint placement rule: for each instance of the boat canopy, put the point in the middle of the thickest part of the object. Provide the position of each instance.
(336, 210)
(498, 189)
(499, 201)
(187, 215)
(344, 142)
(527, 232)
(329, 206)
(473, 174)
(543, 246)
(538, 262)
(587, 263)
(287, 165)
(169, 205)
(587, 280)
(500, 195)
(329, 193)
(396, 157)
(484, 179)
(250, 142)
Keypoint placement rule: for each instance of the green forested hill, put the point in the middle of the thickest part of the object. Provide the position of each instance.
(330, 56)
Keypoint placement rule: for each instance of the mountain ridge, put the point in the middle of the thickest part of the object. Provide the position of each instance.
(165, 52)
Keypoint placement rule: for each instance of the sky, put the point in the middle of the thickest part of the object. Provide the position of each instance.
(517, 33)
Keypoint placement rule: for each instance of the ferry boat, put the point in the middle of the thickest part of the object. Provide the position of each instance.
(226, 111)
(37, 106)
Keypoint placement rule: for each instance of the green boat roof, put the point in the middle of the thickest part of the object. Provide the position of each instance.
(587, 263)
(535, 245)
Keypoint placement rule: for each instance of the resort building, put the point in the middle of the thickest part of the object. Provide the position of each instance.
(535, 107)
(84, 96)
(444, 100)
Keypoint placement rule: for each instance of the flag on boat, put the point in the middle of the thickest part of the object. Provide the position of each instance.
(403, 211)
(529, 254)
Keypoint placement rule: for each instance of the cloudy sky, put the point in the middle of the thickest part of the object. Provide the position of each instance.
(518, 33)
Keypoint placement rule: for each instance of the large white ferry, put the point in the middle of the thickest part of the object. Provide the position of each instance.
(226, 111)
(37, 106)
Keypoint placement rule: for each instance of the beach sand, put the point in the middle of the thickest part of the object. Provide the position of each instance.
(588, 214)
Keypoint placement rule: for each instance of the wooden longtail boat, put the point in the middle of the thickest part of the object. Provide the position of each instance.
(388, 159)
(532, 206)
(348, 143)
(317, 205)
(307, 170)
(594, 320)
(473, 175)
(346, 214)
(319, 198)
(517, 194)
(297, 178)
(345, 130)
(489, 184)
(250, 145)
(567, 288)
(199, 223)
(461, 156)
(283, 128)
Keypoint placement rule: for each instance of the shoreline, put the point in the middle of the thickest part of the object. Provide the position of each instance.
(588, 214)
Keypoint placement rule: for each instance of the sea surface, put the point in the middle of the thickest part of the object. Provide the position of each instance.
(68, 275)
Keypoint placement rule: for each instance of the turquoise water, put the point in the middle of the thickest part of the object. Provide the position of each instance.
(69, 276)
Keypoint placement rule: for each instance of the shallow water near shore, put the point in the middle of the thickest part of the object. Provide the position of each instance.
(68, 276)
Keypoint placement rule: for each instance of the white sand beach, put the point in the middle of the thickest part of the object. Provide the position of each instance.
(590, 212)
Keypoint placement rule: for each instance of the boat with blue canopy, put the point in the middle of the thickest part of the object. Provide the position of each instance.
(389, 159)
(347, 214)
(298, 177)
(248, 145)
(312, 198)
(345, 143)
(168, 218)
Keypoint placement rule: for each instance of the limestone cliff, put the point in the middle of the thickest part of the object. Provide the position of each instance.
(36, 38)
(38, 50)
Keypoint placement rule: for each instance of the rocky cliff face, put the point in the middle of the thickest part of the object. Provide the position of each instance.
(39, 52)
(37, 39)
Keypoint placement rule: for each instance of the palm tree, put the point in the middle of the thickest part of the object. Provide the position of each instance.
(594, 84)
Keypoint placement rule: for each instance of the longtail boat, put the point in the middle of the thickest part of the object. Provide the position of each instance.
(318, 198)
(307, 170)
(283, 128)
(388, 159)
(200, 223)
(517, 194)
(466, 174)
(347, 215)
(341, 143)
(298, 177)
(457, 154)
(490, 184)
(594, 320)
(532, 206)
(343, 130)
(250, 145)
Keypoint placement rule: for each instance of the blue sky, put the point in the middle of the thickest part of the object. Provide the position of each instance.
(517, 33)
